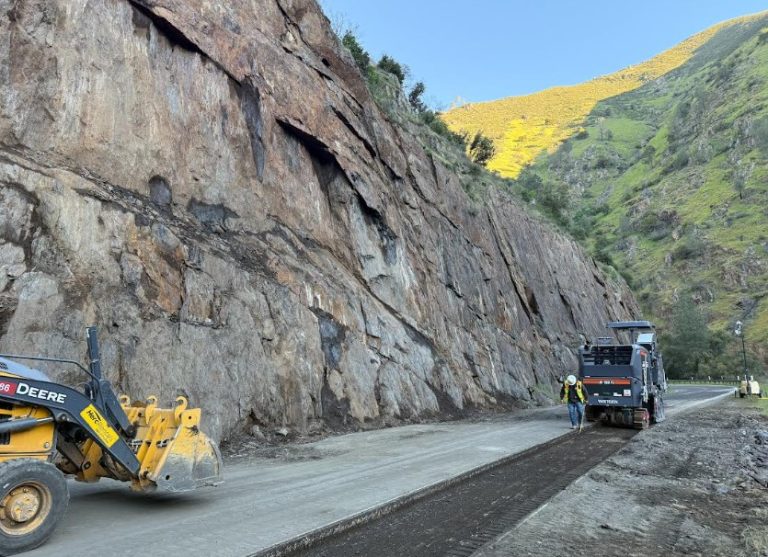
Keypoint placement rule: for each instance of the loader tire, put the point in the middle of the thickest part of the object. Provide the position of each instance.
(33, 497)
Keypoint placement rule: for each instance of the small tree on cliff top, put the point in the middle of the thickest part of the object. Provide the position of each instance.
(389, 64)
(361, 56)
(414, 97)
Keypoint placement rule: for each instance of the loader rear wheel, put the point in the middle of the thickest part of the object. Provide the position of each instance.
(33, 497)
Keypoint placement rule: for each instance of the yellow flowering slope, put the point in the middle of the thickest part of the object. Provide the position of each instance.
(523, 127)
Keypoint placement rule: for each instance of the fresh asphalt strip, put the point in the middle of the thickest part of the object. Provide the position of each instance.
(313, 538)
(457, 516)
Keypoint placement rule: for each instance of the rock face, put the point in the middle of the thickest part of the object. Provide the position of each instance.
(213, 186)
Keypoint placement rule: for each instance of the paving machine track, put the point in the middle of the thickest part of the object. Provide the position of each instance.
(458, 520)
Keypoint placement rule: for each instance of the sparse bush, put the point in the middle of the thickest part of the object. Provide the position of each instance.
(649, 151)
(690, 248)
(582, 223)
(389, 64)
(529, 180)
(658, 234)
(361, 56)
(604, 134)
(679, 160)
(582, 134)
(656, 226)
(724, 73)
(562, 157)
(526, 195)
(760, 133)
(380, 88)
(602, 111)
(628, 276)
(603, 161)
(481, 149)
(740, 176)
(415, 97)
(603, 251)
(437, 125)
(554, 198)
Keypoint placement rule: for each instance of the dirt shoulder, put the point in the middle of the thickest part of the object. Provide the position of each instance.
(694, 485)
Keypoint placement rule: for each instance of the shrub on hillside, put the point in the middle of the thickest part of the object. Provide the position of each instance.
(437, 125)
(529, 180)
(603, 161)
(362, 58)
(690, 248)
(415, 97)
(562, 157)
(679, 160)
(760, 133)
(649, 151)
(381, 88)
(603, 251)
(554, 198)
(481, 149)
(389, 64)
(605, 134)
(658, 234)
(582, 223)
(656, 225)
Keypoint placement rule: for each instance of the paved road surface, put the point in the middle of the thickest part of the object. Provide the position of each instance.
(267, 501)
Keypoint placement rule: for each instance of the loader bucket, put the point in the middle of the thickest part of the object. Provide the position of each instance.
(175, 455)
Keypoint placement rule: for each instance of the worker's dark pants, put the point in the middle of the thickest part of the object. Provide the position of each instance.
(575, 411)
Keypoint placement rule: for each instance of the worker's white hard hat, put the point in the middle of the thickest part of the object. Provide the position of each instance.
(571, 379)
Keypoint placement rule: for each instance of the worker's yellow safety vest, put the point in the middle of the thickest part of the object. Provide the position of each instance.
(579, 392)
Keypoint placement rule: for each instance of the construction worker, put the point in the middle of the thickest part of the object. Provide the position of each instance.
(575, 394)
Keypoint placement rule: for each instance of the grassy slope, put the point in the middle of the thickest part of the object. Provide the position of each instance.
(523, 127)
(682, 181)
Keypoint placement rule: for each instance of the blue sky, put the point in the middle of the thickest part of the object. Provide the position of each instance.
(488, 49)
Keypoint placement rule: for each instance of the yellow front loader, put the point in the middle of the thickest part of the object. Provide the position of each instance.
(49, 430)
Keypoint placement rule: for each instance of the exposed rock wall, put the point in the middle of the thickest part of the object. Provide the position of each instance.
(212, 184)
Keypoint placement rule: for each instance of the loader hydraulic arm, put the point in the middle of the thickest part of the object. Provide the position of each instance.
(69, 405)
(50, 429)
(101, 389)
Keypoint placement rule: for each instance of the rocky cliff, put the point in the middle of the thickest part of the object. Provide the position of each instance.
(212, 184)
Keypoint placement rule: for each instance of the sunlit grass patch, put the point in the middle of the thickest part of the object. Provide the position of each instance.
(524, 127)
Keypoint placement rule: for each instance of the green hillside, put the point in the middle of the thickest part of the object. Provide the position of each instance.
(669, 185)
